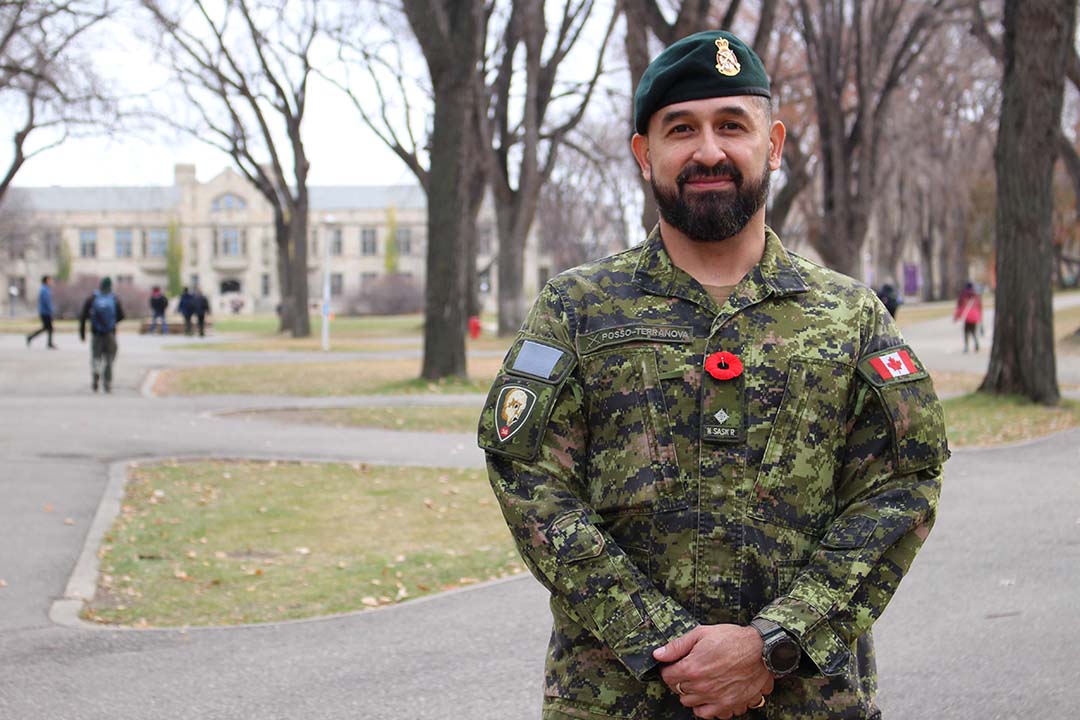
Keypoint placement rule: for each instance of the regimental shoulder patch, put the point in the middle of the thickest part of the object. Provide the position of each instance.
(894, 365)
(512, 409)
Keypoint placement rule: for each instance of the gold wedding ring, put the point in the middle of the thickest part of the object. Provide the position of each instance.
(760, 704)
(678, 688)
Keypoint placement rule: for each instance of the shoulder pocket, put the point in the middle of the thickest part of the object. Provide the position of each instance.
(916, 420)
(521, 399)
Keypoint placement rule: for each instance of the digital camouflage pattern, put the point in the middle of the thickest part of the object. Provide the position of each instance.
(648, 496)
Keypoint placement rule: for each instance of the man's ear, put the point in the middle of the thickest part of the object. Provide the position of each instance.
(777, 133)
(639, 145)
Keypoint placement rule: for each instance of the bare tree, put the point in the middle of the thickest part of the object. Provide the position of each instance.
(243, 68)
(376, 70)
(585, 206)
(935, 149)
(858, 54)
(46, 80)
(1037, 41)
(451, 37)
(521, 150)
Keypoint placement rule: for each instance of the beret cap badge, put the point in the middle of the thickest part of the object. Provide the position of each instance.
(726, 61)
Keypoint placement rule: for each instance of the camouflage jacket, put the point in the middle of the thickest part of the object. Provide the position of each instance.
(649, 496)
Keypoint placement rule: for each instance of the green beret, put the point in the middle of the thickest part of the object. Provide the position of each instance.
(707, 64)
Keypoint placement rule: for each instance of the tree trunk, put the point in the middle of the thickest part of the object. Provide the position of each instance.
(281, 242)
(298, 227)
(511, 273)
(1038, 35)
(448, 208)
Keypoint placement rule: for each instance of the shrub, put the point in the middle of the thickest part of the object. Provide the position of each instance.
(68, 297)
(388, 295)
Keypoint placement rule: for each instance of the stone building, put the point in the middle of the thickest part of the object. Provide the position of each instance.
(226, 231)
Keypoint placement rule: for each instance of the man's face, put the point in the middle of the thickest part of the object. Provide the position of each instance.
(708, 162)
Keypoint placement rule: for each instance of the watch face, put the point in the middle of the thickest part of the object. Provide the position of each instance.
(784, 656)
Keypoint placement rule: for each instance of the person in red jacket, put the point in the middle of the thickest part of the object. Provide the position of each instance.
(969, 309)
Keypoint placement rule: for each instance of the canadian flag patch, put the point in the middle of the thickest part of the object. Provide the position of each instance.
(894, 365)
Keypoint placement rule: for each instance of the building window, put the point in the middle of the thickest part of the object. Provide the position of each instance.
(404, 240)
(368, 246)
(266, 284)
(228, 201)
(88, 243)
(194, 281)
(194, 256)
(230, 242)
(123, 243)
(336, 284)
(335, 242)
(52, 243)
(157, 242)
(128, 280)
(367, 277)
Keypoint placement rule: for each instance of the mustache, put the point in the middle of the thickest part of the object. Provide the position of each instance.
(696, 171)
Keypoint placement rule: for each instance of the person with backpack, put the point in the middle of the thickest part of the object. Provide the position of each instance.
(104, 311)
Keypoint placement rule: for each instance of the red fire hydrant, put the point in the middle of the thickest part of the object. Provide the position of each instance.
(474, 326)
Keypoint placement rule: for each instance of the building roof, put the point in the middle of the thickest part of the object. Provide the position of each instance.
(95, 198)
(366, 197)
(331, 197)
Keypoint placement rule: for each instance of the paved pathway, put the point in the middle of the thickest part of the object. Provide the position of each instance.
(984, 627)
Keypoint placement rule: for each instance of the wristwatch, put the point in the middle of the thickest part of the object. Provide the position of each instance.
(781, 653)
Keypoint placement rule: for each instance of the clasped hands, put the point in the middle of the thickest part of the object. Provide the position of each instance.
(716, 670)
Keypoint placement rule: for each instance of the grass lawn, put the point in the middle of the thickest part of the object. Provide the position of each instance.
(318, 379)
(219, 543)
(416, 419)
(982, 420)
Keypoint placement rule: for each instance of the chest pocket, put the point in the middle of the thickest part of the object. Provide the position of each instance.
(632, 459)
(794, 486)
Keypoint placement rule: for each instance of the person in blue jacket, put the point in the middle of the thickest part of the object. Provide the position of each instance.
(45, 311)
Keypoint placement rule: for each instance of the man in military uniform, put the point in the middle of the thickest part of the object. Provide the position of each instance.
(719, 457)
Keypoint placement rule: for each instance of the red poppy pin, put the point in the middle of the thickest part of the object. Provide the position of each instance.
(723, 365)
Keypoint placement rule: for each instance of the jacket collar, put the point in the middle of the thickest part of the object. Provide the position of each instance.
(775, 274)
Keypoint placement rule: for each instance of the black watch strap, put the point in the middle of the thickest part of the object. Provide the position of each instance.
(780, 653)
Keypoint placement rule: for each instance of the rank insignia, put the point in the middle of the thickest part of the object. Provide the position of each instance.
(512, 409)
(726, 62)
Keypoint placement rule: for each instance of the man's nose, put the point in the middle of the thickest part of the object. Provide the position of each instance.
(709, 151)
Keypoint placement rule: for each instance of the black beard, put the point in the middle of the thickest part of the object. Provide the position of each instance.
(711, 216)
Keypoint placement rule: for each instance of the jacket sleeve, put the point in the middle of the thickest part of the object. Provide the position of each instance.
(544, 501)
(887, 493)
(84, 316)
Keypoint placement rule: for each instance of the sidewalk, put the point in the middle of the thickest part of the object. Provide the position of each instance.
(997, 574)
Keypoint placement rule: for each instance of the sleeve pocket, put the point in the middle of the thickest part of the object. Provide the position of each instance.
(573, 539)
(917, 423)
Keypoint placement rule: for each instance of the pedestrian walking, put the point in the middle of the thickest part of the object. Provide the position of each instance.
(103, 311)
(201, 307)
(718, 457)
(46, 311)
(969, 310)
(186, 306)
(158, 305)
(887, 296)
